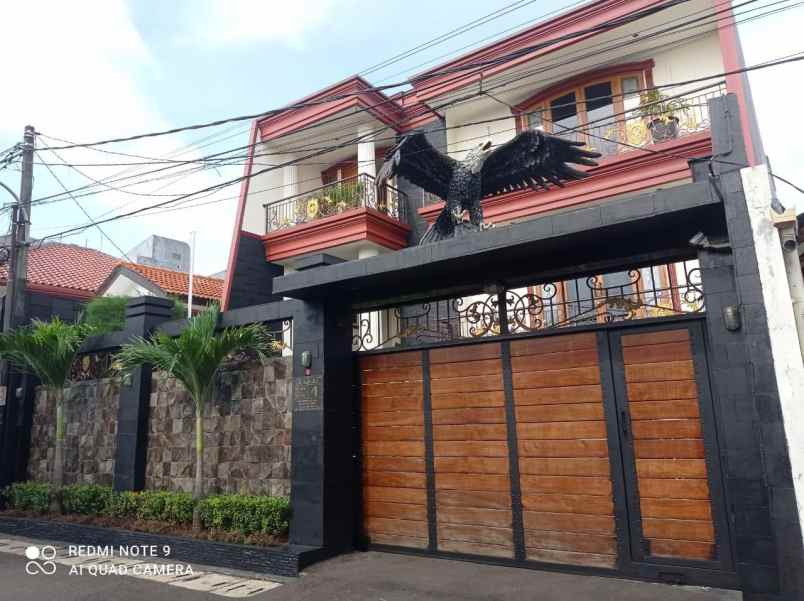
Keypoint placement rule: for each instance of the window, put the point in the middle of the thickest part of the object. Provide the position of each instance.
(595, 111)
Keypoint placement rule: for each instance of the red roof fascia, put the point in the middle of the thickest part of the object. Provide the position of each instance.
(430, 86)
(376, 103)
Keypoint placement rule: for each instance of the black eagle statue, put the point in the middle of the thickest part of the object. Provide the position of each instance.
(530, 160)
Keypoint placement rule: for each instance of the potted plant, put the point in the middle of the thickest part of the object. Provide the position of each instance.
(660, 112)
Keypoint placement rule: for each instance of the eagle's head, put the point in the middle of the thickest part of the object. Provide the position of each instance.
(478, 155)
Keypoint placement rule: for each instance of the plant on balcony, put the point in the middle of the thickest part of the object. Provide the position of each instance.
(194, 358)
(660, 112)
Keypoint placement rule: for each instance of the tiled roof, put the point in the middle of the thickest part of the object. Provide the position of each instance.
(74, 268)
(177, 282)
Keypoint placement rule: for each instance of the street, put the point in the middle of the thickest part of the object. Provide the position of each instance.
(368, 576)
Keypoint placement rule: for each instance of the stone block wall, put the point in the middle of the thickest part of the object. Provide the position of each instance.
(90, 432)
(247, 432)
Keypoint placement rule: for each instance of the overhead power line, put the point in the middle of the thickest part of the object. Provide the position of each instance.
(462, 69)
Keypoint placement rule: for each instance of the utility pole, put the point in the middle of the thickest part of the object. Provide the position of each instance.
(14, 307)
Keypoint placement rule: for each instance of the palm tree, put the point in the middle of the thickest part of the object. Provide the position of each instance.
(194, 357)
(47, 349)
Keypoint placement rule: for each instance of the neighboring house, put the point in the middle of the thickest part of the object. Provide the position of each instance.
(158, 251)
(131, 279)
(591, 82)
(61, 278)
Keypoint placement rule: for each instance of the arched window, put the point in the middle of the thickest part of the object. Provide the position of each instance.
(593, 108)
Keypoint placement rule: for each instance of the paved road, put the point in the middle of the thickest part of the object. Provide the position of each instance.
(359, 577)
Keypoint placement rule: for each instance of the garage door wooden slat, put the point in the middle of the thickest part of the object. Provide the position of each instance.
(399, 511)
(667, 428)
(394, 464)
(669, 449)
(466, 416)
(673, 488)
(478, 499)
(536, 363)
(660, 337)
(469, 352)
(656, 353)
(392, 389)
(475, 534)
(671, 468)
(394, 495)
(393, 403)
(676, 548)
(414, 528)
(481, 482)
(571, 376)
(471, 465)
(662, 391)
(575, 504)
(393, 418)
(690, 530)
(692, 509)
(569, 557)
(570, 541)
(575, 466)
(457, 400)
(660, 372)
(441, 371)
(561, 430)
(500, 518)
(395, 479)
(474, 383)
(472, 548)
(475, 432)
(568, 522)
(564, 448)
(587, 485)
(391, 374)
(393, 433)
(560, 413)
(553, 344)
(378, 538)
(687, 408)
(460, 448)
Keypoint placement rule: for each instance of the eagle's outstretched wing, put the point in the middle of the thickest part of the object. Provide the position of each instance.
(415, 159)
(531, 158)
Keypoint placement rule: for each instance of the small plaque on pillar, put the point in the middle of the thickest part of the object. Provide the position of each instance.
(307, 393)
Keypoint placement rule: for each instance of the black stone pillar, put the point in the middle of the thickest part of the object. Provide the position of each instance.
(142, 316)
(323, 490)
(759, 488)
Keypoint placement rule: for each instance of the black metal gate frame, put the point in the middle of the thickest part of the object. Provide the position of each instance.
(626, 515)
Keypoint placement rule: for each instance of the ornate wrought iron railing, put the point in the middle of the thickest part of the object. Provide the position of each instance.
(640, 293)
(625, 133)
(335, 198)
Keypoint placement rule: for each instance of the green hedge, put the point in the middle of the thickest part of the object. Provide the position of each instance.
(27, 496)
(246, 514)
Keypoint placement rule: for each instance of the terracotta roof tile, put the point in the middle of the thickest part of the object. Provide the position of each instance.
(67, 266)
(177, 282)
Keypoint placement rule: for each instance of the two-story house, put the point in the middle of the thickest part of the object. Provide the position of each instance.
(590, 383)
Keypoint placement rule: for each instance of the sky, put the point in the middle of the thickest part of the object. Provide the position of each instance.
(95, 69)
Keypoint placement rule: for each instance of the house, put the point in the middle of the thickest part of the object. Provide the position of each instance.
(158, 251)
(591, 384)
(133, 279)
(61, 278)
(588, 87)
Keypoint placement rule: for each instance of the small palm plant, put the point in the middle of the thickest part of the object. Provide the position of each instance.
(194, 358)
(47, 350)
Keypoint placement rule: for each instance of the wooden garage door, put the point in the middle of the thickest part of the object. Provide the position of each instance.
(472, 485)
(394, 481)
(671, 483)
(568, 511)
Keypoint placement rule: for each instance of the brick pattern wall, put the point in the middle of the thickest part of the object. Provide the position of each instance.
(90, 432)
(246, 432)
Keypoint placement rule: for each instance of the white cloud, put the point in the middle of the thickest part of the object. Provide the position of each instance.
(81, 78)
(240, 22)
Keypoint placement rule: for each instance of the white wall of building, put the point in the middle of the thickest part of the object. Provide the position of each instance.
(690, 60)
(462, 139)
(122, 285)
(787, 360)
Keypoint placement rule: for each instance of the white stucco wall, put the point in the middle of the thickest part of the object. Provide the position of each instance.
(122, 285)
(460, 140)
(698, 58)
(787, 360)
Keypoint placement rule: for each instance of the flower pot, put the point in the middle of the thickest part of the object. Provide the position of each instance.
(661, 130)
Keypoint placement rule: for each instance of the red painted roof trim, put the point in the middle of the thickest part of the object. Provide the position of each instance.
(238, 224)
(374, 102)
(428, 87)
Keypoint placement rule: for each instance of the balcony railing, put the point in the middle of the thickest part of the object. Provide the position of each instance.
(621, 136)
(333, 199)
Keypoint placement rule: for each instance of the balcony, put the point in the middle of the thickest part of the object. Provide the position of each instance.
(348, 218)
(638, 154)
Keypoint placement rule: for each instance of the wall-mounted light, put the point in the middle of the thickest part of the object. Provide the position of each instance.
(732, 318)
(306, 361)
(127, 380)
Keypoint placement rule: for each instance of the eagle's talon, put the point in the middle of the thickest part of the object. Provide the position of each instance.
(486, 226)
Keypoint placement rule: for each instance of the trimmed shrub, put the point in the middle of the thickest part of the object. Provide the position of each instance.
(122, 504)
(247, 514)
(28, 496)
(173, 507)
(86, 499)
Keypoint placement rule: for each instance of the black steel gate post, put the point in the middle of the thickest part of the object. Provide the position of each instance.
(517, 522)
(429, 455)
